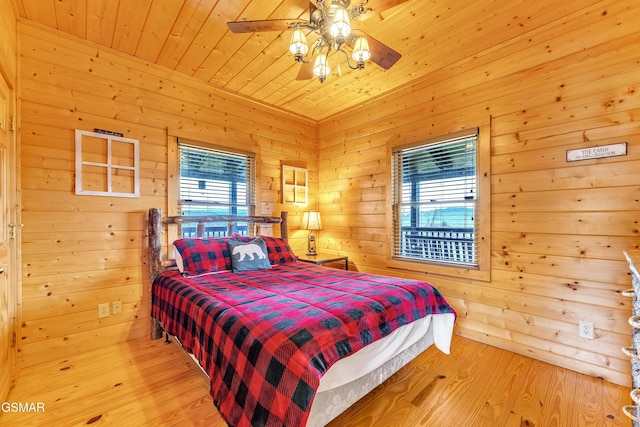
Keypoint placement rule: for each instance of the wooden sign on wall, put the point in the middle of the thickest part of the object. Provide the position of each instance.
(611, 150)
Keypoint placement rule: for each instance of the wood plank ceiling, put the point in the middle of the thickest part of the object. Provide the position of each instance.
(191, 37)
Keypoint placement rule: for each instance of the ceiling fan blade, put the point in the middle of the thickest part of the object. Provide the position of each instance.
(263, 25)
(381, 54)
(306, 72)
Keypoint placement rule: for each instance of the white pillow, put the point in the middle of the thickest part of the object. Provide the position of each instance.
(173, 251)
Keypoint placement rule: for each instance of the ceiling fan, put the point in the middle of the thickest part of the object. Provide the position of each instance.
(330, 23)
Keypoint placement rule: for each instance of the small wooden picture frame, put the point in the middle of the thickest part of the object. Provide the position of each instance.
(295, 182)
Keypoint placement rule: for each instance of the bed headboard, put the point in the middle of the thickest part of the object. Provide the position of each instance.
(156, 223)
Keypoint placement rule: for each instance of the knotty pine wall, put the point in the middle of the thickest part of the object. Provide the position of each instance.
(80, 251)
(8, 41)
(8, 71)
(559, 229)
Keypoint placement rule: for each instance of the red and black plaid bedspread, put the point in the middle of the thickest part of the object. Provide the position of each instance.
(266, 337)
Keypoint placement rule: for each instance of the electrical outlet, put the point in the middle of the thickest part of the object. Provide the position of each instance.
(586, 330)
(117, 307)
(103, 310)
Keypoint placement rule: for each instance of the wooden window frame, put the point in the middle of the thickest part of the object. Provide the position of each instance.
(483, 214)
(108, 165)
(299, 190)
(252, 162)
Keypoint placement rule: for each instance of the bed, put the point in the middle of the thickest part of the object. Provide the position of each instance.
(286, 342)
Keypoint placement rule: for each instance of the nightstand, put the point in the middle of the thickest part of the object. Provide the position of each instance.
(325, 259)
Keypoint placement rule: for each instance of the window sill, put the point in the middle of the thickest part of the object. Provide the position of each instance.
(441, 270)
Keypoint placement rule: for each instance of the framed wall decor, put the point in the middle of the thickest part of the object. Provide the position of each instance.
(295, 184)
(107, 165)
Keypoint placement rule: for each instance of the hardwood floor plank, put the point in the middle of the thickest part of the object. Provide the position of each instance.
(614, 398)
(462, 395)
(590, 406)
(418, 383)
(561, 396)
(148, 383)
(140, 383)
(504, 392)
(527, 408)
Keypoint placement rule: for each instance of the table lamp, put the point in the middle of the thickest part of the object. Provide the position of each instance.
(311, 221)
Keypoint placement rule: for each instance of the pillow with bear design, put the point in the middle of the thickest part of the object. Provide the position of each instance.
(278, 250)
(248, 256)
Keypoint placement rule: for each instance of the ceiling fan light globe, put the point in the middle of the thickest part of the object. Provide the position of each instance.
(321, 68)
(361, 50)
(298, 45)
(341, 25)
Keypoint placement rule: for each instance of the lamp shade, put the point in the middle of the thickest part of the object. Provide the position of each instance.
(341, 25)
(311, 221)
(361, 50)
(298, 44)
(321, 67)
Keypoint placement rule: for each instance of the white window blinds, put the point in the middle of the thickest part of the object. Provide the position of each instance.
(215, 182)
(435, 201)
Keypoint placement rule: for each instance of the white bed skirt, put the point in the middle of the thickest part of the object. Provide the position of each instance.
(351, 378)
(348, 380)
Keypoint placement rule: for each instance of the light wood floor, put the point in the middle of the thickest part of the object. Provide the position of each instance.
(146, 382)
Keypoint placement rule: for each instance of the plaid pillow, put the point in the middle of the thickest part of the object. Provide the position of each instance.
(203, 255)
(278, 250)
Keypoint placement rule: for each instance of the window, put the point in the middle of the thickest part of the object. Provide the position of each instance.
(107, 165)
(295, 185)
(435, 201)
(215, 182)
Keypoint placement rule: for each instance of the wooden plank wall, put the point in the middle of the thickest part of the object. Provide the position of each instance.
(8, 40)
(8, 290)
(80, 251)
(559, 229)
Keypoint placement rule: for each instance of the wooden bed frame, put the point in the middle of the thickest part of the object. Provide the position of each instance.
(156, 224)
